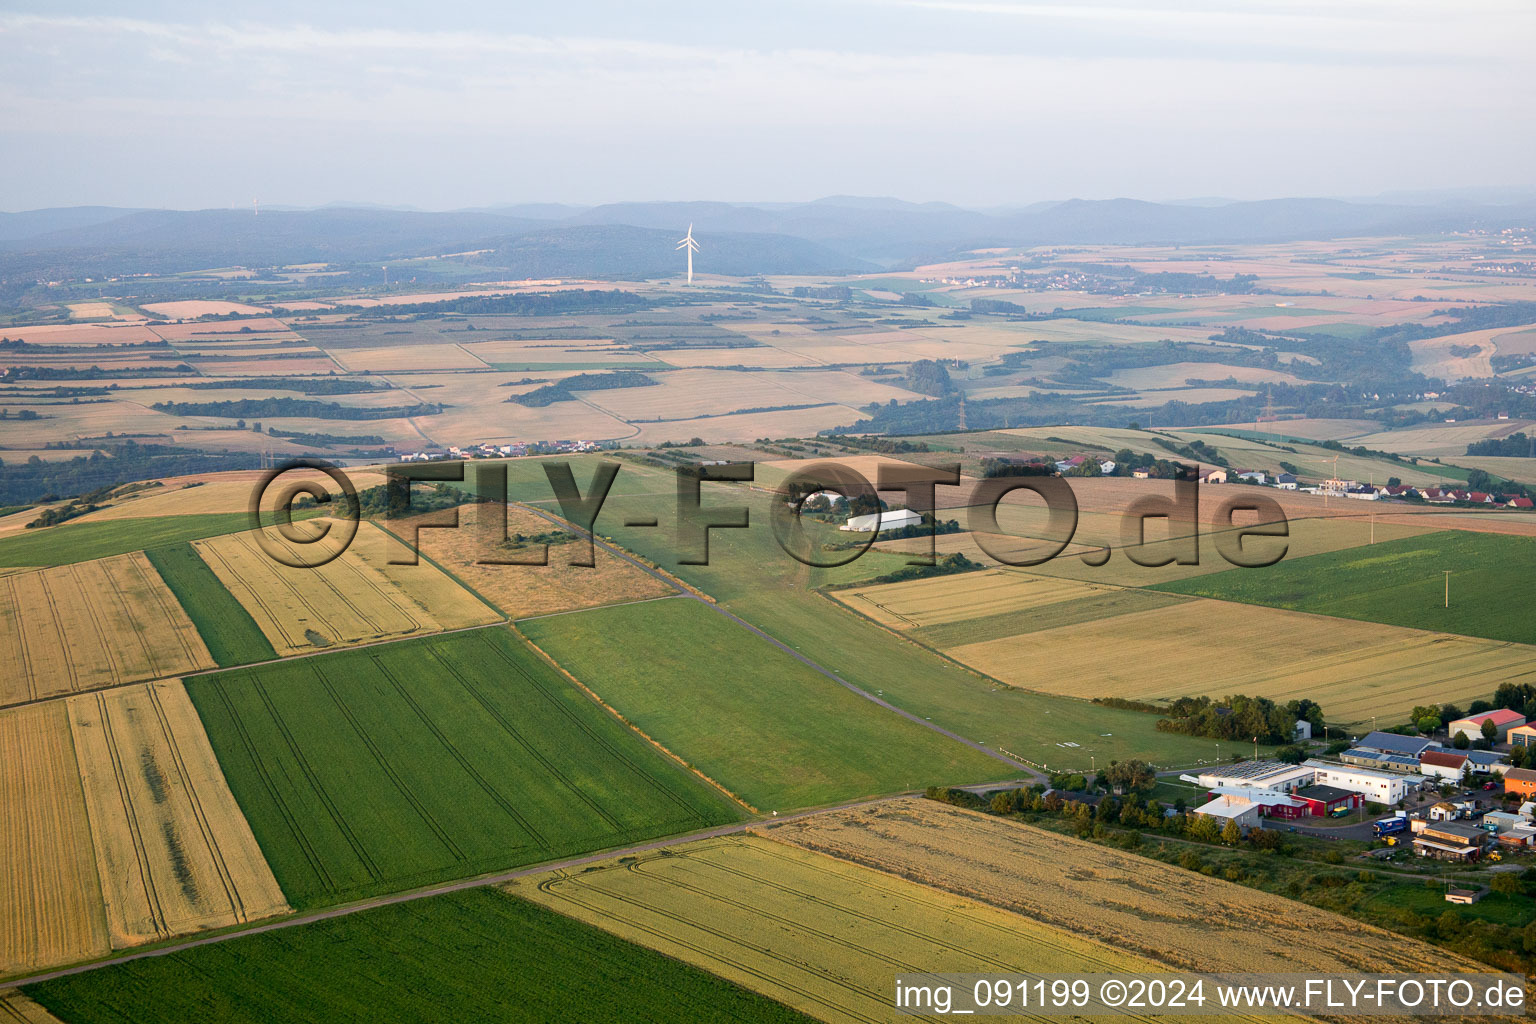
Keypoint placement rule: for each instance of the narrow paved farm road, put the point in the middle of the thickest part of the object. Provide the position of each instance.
(619, 552)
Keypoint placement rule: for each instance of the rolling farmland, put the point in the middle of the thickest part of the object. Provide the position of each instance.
(92, 624)
(1355, 670)
(821, 935)
(520, 591)
(52, 911)
(1401, 582)
(768, 728)
(1179, 919)
(174, 854)
(120, 829)
(370, 771)
(232, 636)
(355, 598)
(471, 956)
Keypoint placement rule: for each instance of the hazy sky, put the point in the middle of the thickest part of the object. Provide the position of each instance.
(981, 102)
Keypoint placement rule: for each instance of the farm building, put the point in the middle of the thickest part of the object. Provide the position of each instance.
(1392, 743)
(1229, 807)
(1362, 758)
(1502, 821)
(1520, 782)
(1444, 811)
(1443, 764)
(1486, 762)
(1521, 735)
(1213, 476)
(1450, 841)
(1328, 801)
(1303, 730)
(1472, 726)
(1465, 897)
(1275, 776)
(1381, 787)
(882, 521)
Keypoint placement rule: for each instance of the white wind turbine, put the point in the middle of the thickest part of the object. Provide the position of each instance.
(688, 243)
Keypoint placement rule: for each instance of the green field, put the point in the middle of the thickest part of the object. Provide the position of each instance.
(1515, 911)
(232, 636)
(477, 955)
(82, 542)
(750, 575)
(383, 769)
(1399, 582)
(767, 727)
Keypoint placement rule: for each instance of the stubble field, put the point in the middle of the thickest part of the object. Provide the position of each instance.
(78, 627)
(355, 598)
(1178, 919)
(821, 935)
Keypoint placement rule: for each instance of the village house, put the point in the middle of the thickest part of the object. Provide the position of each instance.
(1520, 782)
(1443, 764)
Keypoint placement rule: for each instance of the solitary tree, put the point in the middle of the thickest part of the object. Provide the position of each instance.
(1231, 834)
(1506, 883)
(1490, 731)
(1428, 724)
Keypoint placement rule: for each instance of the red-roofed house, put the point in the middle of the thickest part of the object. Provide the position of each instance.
(1472, 726)
(1443, 764)
(1521, 503)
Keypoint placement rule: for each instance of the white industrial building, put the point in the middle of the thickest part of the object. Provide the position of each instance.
(1380, 787)
(1232, 807)
(882, 521)
(1274, 776)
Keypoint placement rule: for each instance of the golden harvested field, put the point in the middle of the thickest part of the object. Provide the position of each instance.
(90, 310)
(92, 624)
(1516, 524)
(407, 357)
(521, 591)
(1173, 375)
(187, 308)
(1180, 920)
(771, 474)
(821, 935)
(1152, 399)
(745, 426)
(564, 350)
(216, 492)
(16, 1008)
(82, 334)
(51, 912)
(948, 599)
(229, 330)
(175, 854)
(1444, 440)
(355, 598)
(1353, 669)
(1433, 356)
(703, 357)
(685, 394)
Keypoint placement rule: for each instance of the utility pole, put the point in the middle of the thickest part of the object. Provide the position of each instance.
(1447, 587)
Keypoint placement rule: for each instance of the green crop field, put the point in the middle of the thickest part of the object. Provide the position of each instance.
(381, 769)
(749, 574)
(767, 727)
(232, 636)
(1401, 583)
(477, 955)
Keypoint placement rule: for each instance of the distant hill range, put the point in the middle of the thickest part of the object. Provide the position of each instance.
(635, 240)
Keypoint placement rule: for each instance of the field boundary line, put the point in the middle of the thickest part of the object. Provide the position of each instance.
(616, 713)
(595, 607)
